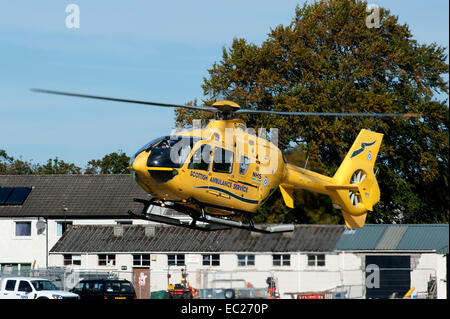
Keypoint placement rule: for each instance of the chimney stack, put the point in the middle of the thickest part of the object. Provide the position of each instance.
(118, 231)
(150, 231)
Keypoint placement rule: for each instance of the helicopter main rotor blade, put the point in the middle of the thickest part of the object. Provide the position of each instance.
(194, 107)
(246, 111)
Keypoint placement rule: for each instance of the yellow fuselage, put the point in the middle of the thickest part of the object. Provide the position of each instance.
(256, 170)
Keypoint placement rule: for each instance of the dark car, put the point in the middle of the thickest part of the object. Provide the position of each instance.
(105, 289)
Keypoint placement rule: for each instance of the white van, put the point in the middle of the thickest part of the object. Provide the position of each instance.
(31, 288)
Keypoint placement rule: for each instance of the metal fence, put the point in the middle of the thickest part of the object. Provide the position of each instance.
(212, 284)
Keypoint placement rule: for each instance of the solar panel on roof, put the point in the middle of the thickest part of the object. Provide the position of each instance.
(4, 194)
(18, 196)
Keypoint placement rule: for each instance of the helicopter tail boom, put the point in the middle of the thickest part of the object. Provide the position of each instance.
(353, 188)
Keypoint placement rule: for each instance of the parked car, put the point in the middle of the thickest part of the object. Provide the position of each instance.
(105, 289)
(32, 288)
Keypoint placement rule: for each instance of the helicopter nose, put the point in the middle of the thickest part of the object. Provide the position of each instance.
(140, 162)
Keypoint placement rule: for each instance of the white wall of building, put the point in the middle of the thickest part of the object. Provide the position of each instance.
(298, 277)
(342, 268)
(21, 249)
(32, 249)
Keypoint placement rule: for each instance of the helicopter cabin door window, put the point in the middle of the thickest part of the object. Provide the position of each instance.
(244, 164)
(223, 161)
(201, 158)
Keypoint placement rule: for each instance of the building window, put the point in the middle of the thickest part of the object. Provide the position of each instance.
(141, 260)
(70, 260)
(316, 260)
(106, 260)
(281, 260)
(175, 260)
(61, 227)
(246, 260)
(211, 260)
(23, 228)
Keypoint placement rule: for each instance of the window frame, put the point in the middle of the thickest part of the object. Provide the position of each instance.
(29, 232)
(249, 260)
(68, 260)
(178, 260)
(62, 226)
(141, 261)
(314, 260)
(284, 260)
(107, 259)
(212, 261)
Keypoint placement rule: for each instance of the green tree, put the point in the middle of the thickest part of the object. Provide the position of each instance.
(114, 163)
(328, 60)
(11, 166)
(56, 166)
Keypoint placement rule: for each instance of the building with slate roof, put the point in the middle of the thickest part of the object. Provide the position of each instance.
(80, 223)
(30, 228)
(80, 196)
(212, 258)
(305, 238)
(314, 258)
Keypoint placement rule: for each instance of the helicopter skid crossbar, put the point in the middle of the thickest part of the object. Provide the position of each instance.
(208, 223)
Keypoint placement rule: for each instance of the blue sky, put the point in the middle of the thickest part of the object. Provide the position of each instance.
(157, 51)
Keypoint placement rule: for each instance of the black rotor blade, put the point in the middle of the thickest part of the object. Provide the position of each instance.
(246, 111)
(194, 107)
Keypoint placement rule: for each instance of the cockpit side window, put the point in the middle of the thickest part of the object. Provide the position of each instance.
(201, 158)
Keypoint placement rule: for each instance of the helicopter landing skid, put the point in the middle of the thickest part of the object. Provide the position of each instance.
(169, 220)
(208, 223)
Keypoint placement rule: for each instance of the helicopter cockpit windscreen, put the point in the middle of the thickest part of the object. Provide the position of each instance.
(146, 148)
(171, 151)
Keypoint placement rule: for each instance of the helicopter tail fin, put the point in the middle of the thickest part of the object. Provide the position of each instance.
(355, 189)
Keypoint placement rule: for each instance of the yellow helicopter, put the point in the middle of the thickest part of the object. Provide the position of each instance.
(225, 170)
